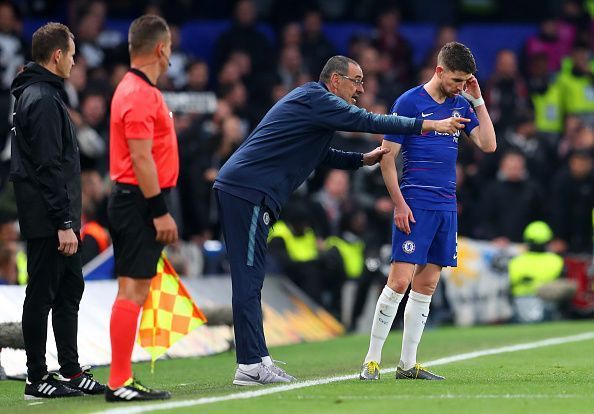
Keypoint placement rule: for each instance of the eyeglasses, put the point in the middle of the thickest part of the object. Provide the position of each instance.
(357, 82)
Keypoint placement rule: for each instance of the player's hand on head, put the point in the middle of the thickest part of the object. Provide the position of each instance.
(472, 88)
(403, 216)
(166, 229)
(375, 156)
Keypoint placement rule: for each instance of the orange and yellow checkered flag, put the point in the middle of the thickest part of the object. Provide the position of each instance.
(169, 312)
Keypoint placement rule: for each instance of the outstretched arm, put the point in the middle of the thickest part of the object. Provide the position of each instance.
(334, 113)
(484, 134)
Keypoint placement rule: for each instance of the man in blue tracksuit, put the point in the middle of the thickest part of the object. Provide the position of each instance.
(292, 139)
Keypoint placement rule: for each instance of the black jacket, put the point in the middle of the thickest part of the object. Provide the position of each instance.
(45, 163)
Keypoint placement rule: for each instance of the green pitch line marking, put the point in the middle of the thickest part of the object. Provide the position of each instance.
(145, 408)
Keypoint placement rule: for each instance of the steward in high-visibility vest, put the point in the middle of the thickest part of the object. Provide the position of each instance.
(95, 240)
(300, 247)
(352, 251)
(97, 232)
(548, 110)
(536, 267)
(576, 80)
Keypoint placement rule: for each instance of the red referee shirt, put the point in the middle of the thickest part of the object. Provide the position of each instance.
(139, 111)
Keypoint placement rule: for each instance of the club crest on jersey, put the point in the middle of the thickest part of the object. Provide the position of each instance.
(456, 114)
(408, 247)
(266, 218)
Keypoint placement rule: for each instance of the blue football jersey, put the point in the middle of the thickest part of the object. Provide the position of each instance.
(429, 160)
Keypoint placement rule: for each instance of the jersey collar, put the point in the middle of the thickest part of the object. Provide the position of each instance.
(141, 75)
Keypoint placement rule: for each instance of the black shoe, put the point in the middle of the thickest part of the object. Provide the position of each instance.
(417, 372)
(84, 382)
(49, 387)
(134, 391)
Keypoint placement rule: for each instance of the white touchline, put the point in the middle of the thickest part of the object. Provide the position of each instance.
(145, 408)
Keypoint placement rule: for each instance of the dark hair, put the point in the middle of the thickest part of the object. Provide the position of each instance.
(455, 56)
(47, 39)
(145, 32)
(336, 64)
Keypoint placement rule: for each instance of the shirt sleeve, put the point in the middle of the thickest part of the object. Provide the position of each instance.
(331, 112)
(139, 116)
(401, 107)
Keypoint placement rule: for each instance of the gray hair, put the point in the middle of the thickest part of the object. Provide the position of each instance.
(336, 64)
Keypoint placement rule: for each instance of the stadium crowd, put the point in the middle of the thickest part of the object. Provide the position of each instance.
(541, 102)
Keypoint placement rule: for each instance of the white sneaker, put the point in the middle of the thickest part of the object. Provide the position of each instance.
(261, 375)
(281, 372)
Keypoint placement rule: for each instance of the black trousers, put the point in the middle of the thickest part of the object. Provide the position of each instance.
(56, 283)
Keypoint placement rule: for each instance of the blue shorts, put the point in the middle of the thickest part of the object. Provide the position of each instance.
(432, 239)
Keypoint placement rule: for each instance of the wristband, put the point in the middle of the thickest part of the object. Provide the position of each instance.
(474, 101)
(66, 225)
(157, 206)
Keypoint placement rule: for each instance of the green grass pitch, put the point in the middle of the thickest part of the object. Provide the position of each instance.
(551, 379)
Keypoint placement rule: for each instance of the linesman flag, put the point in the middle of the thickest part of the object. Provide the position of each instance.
(169, 312)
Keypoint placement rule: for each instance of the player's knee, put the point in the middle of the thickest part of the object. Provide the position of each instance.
(424, 288)
(398, 284)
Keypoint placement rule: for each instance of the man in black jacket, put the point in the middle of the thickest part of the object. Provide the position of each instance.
(45, 169)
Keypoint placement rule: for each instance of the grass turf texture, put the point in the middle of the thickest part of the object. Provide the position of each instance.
(553, 379)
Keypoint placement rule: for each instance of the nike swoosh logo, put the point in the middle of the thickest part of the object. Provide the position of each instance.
(455, 256)
(387, 316)
(423, 315)
(458, 108)
(254, 377)
(424, 115)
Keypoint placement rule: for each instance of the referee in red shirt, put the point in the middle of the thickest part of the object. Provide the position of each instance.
(144, 165)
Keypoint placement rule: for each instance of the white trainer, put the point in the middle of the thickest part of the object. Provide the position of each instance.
(261, 375)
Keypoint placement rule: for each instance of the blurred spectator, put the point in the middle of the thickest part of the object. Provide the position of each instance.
(294, 250)
(466, 203)
(229, 74)
(348, 248)
(244, 35)
(87, 39)
(13, 49)
(546, 99)
(315, 47)
(445, 34)
(197, 76)
(577, 84)
(178, 60)
(553, 39)
(330, 203)
(510, 202)
(523, 137)
(291, 35)
(117, 73)
(290, 68)
(572, 201)
(76, 84)
(93, 232)
(388, 39)
(572, 136)
(532, 270)
(8, 263)
(506, 93)
(200, 165)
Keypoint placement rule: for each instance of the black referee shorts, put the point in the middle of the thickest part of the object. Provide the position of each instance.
(135, 248)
